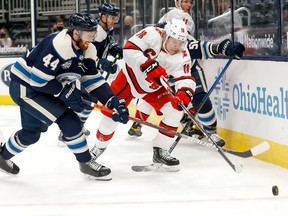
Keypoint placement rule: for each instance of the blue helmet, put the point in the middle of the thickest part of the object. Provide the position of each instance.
(82, 22)
(109, 9)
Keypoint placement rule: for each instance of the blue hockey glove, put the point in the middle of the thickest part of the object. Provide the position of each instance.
(108, 66)
(121, 113)
(72, 97)
(231, 49)
(116, 50)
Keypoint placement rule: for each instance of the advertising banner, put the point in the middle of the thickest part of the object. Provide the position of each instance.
(251, 98)
(5, 67)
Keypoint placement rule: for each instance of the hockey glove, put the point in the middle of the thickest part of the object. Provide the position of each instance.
(184, 96)
(108, 66)
(231, 49)
(72, 97)
(153, 71)
(121, 113)
(160, 25)
(116, 50)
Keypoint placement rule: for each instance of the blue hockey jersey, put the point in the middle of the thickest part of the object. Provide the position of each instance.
(54, 61)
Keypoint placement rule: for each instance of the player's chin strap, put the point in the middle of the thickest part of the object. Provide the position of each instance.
(164, 43)
(237, 168)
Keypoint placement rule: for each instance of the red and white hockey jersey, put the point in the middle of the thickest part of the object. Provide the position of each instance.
(148, 44)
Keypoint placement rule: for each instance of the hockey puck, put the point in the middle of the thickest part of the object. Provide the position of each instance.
(275, 190)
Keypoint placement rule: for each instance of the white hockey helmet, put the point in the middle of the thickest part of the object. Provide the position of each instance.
(178, 4)
(176, 28)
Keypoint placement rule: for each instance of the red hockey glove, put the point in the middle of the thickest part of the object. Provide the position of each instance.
(184, 96)
(153, 71)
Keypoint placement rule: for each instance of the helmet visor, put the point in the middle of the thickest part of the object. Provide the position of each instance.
(113, 19)
(88, 36)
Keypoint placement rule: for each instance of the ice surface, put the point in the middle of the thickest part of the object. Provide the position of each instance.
(50, 183)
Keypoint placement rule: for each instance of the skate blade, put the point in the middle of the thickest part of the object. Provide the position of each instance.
(164, 168)
(103, 178)
(157, 167)
(9, 173)
(134, 134)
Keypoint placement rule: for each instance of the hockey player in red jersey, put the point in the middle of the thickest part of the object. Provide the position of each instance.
(182, 12)
(206, 116)
(150, 54)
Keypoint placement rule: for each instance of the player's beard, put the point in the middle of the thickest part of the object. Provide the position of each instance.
(81, 44)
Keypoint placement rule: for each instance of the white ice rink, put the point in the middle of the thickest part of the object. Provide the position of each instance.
(50, 183)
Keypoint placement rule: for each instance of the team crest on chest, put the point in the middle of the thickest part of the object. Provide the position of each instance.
(67, 64)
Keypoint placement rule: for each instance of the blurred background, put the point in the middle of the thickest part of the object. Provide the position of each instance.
(261, 25)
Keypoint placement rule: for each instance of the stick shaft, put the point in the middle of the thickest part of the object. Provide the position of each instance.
(214, 85)
(203, 101)
(220, 150)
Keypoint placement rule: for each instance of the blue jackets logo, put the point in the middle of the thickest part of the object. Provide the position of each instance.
(221, 98)
(5, 74)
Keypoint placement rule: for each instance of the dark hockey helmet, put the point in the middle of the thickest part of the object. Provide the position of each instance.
(109, 9)
(82, 22)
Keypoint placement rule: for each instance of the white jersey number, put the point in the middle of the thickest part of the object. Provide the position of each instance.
(193, 45)
(47, 61)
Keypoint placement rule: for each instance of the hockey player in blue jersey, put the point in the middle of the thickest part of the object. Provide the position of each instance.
(44, 85)
(104, 43)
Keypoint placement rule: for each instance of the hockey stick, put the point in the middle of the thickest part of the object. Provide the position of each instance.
(214, 84)
(237, 168)
(204, 99)
(258, 149)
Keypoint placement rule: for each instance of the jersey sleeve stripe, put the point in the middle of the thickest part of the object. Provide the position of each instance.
(183, 78)
(92, 82)
(32, 76)
(130, 45)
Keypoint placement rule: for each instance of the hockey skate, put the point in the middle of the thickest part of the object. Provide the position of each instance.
(194, 132)
(95, 171)
(161, 157)
(217, 139)
(185, 119)
(8, 166)
(135, 130)
(96, 152)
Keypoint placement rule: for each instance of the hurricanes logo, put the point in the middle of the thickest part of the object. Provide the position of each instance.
(5, 74)
(221, 98)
